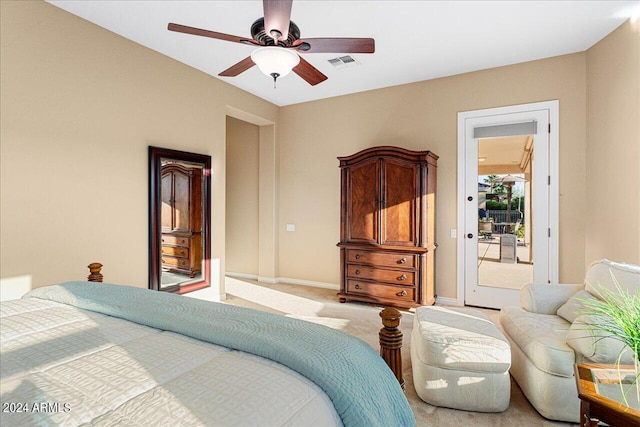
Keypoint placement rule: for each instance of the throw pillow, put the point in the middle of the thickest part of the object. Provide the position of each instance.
(575, 306)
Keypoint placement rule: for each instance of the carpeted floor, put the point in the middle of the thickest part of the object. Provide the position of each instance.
(362, 320)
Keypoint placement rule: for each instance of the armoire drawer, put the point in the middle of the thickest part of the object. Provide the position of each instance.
(399, 277)
(178, 251)
(175, 262)
(383, 259)
(401, 293)
(168, 239)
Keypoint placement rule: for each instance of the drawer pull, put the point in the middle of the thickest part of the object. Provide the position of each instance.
(403, 260)
(357, 286)
(402, 294)
(357, 271)
(357, 256)
(403, 277)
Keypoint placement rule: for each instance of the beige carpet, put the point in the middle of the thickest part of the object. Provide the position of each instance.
(362, 320)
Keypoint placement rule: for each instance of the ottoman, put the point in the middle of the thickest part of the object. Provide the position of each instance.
(460, 360)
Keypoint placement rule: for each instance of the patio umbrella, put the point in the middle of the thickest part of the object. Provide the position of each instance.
(508, 181)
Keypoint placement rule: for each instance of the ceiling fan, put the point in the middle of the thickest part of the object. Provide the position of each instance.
(278, 41)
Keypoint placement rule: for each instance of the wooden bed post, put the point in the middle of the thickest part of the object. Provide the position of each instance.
(95, 275)
(391, 341)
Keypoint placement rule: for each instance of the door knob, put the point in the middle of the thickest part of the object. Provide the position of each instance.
(470, 198)
(470, 236)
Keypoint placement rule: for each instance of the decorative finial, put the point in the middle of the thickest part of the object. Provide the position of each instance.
(94, 269)
(275, 76)
(390, 317)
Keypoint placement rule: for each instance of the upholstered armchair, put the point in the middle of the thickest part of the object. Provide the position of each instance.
(550, 332)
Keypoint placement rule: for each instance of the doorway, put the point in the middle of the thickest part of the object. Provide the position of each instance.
(508, 202)
(242, 204)
(254, 222)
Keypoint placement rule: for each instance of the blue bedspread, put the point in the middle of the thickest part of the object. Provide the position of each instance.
(362, 388)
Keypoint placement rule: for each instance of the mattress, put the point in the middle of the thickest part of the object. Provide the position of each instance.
(97, 354)
(65, 366)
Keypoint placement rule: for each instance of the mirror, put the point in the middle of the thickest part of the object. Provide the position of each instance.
(179, 220)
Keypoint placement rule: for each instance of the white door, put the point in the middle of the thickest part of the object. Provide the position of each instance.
(518, 246)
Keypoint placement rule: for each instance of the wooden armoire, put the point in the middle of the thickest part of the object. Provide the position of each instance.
(387, 228)
(181, 217)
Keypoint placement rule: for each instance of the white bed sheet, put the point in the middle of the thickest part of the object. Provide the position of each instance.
(60, 365)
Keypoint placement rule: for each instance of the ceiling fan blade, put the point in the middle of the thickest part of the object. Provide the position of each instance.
(309, 73)
(238, 68)
(211, 34)
(336, 45)
(277, 16)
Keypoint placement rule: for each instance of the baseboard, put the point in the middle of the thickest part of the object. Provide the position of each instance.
(241, 275)
(446, 301)
(323, 285)
(275, 280)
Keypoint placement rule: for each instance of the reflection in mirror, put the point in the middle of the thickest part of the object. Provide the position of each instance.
(179, 220)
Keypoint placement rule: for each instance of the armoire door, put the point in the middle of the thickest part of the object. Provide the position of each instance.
(400, 191)
(181, 201)
(363, 201)
(166, 211)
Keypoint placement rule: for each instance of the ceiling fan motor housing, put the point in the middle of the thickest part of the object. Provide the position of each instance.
(259, 33)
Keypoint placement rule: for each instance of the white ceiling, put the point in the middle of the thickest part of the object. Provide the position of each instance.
(415, 40)
(504, 151)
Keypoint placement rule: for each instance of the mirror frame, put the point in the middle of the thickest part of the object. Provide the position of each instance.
(155, 223)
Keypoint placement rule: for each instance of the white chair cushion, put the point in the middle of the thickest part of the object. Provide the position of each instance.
(542, 337)
(599, 275)
(595, 344)
(544, 298)
(575, 306)
(461, 339)
(469, 391)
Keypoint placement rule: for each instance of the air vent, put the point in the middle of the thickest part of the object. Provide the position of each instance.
(344, 61)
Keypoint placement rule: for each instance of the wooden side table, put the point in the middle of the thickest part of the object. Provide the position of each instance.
(600, 396)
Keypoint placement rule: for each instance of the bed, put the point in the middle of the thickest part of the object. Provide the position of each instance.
(87, 353)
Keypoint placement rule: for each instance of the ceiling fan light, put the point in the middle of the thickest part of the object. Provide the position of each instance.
(275, 60)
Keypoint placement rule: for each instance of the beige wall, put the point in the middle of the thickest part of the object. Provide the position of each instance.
(79, 107)
(613, 146)
(243, 165)
(420, 116)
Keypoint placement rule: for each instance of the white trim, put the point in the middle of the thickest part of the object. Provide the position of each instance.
(554, 189)
(275, 280)
(311, 283)
(242, 275)
(447, 301)
(461, 175)
(554, 173)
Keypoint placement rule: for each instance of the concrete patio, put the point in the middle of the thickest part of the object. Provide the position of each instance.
(492, 272)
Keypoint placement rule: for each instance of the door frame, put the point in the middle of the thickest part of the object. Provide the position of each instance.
(554, 133)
